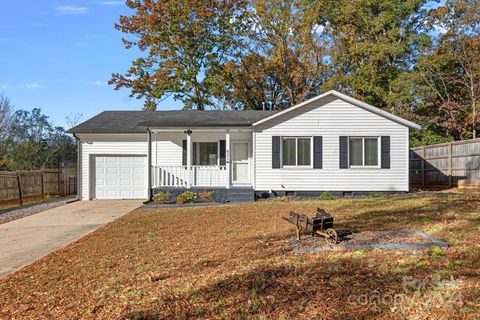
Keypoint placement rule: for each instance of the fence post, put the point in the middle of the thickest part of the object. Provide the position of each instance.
(19, 189)
(43, 185)
(64, 184)
(450, 164)
(423, 166)
(59, 183)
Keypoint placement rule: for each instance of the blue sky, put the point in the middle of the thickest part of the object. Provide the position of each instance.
(58, 56)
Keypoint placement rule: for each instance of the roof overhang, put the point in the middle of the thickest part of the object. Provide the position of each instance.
(215, 129)
(348, 99)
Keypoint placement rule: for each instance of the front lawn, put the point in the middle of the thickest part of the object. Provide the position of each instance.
(231, 262)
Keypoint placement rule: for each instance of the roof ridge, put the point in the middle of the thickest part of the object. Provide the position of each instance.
(183, 110)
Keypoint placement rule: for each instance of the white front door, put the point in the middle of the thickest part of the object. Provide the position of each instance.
(120, 177)
(240, 162)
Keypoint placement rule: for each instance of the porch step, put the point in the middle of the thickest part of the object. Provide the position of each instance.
(240, 195)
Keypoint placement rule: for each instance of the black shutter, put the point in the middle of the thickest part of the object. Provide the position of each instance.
(223, 151)
(385, 144)
(343, 152)
(317, 152)
(275, 152)
(184, 152)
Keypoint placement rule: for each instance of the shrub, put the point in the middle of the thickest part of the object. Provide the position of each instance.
(187, 197)
(162, 197)
(326, 195)
(282, 198)
(208, 195)
(375, 194)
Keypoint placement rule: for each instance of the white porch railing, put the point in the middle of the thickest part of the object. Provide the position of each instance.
(178, 176)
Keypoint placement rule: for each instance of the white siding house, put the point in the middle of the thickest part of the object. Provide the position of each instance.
(329, 143)
(331, 118)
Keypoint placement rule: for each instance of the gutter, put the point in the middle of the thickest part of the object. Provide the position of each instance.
(78, 165)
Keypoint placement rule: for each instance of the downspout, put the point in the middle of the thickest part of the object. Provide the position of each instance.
(149, 164)
(79, 165)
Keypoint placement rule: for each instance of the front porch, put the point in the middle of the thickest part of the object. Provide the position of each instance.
(201, 158)
(190, 176)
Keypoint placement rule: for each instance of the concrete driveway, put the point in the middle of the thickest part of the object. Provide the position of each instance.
(25, 240)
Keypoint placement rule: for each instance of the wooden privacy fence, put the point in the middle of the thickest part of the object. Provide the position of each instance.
(24, 186)
(446, 164)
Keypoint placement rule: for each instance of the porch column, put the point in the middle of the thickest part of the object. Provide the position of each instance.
(149, 165)
(227, 158)
(189, 159)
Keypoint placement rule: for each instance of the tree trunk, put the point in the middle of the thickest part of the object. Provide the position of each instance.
(474, 115)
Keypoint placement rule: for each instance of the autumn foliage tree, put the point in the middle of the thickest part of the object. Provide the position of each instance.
(182, 42)
(449, 82)
(372, 43)
(282, 61)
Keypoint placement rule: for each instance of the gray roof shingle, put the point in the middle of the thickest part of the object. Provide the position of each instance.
(138, 121)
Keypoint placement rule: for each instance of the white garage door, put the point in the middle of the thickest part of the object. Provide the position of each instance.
(120, 177)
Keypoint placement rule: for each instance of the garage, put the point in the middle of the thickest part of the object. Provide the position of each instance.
(119, 177)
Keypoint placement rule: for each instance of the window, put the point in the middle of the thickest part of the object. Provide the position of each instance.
(205, 153)
(296, 151)
(363, 151)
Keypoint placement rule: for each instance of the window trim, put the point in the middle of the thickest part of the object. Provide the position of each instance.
(198, 153)
(363, 166)
(296, 166)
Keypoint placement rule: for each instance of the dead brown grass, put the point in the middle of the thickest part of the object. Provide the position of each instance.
(230, 262)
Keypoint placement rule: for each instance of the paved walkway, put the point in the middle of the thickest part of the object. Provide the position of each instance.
(28, 239)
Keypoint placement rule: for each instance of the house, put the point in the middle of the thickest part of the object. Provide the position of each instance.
(332, 142)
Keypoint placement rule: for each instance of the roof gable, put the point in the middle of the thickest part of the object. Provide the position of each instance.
(350, 100)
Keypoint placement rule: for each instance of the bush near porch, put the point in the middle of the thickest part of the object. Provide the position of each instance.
(230, 262)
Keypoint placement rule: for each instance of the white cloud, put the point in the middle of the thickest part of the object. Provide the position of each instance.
(3, 86)
(34, 85)
(72, 9)
(112, 3)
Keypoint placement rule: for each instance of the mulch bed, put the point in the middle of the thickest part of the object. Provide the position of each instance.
(166, 205)
(392, 240)
(392, 195)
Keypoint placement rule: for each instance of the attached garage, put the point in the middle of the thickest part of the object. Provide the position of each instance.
(119, 177)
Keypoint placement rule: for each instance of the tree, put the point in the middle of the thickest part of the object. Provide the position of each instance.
(448, 86)
(456, 60)
(282, 61)
(183, 42)
(249, 84)
(34, 143)
(5, 122)
(372, 44)
(289, 36)
(427, 137)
